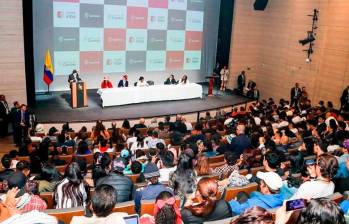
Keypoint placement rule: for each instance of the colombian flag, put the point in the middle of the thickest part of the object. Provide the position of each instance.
(48, 69)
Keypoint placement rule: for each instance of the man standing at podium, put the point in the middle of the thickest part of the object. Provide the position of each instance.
(74, 77)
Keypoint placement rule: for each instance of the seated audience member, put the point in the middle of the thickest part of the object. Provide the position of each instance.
(122, 184)
(139, 144)
(26, 200)
(240, 142)
(72, 190)
(24, 167)
(49, 178)
(9, 214)
(165, 211)
(183, 180)
(141, 124)
(202, 167)
(101, 166)
(187, 124)
(154, 187)
(318, 211)
(154, 140)
(170, 80)
(254, 215)
(271, 163)
(179, 126)
(230, 165)
(166, 166)
(123, 82)
(324, 170)
(203, 205)
(99, 132)
(83, 148)
(184, 80)
(103, 201)
(6, 163)
(106, 83)
(141, 82)
(269, 196)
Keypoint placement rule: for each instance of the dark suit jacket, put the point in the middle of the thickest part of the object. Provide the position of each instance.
(121, 84)
(241, 80)
(293, 93)
(170, 82)
(5, 174)
(72, 78)
(18, 118)
(3, 111)
(239, 144)
(345, 97)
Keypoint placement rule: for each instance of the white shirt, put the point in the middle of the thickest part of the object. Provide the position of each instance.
(224, 74)
(142, 84)
(314, 189)
(116, 217)
(131, 140)
(189, 126)
(165, 173)
(31, 217)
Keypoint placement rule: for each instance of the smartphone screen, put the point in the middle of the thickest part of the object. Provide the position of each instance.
(295, 204)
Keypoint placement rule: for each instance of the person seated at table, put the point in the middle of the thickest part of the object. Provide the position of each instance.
(124, 81)
(106, 83)
(141, 82)
(184, 80)
(170, 80)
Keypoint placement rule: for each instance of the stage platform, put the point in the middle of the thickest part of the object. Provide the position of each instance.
(55, 108)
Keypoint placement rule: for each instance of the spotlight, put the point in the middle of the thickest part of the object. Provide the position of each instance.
(307, 40)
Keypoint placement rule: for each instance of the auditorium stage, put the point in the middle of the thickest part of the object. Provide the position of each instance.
(55, 108)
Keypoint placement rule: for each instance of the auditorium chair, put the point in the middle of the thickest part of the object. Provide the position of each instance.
(41, 135)
(128, 207)
(215, 165)
(88, 158)
(25, 158)
(147, 206)
(254, 170)
(133, 177)
(243, 172)
(232, 192)
(66, 158)
(48, 198)
(142, 131)
(61, 169)
(67, 214)
(216, 159)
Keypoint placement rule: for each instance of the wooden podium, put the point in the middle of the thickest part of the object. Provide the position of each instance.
(78, 94)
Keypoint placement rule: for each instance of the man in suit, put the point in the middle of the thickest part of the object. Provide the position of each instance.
(241, 82)
(74, 77)
(4, 116)
(123, 82)
(240, 142)
(345, 97)
(22, 124)
(296, 94)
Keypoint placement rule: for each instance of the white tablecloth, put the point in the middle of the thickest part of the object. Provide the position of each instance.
(130, 95)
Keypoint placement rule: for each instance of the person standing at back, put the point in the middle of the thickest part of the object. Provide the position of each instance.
(296, 94)
(241, 82)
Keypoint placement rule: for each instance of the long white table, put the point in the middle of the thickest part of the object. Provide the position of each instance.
(131, 95)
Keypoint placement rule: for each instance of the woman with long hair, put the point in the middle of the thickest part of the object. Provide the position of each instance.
(183, 180)
(99, 131)
(203, 205)
(202, 167)
(72, 190)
